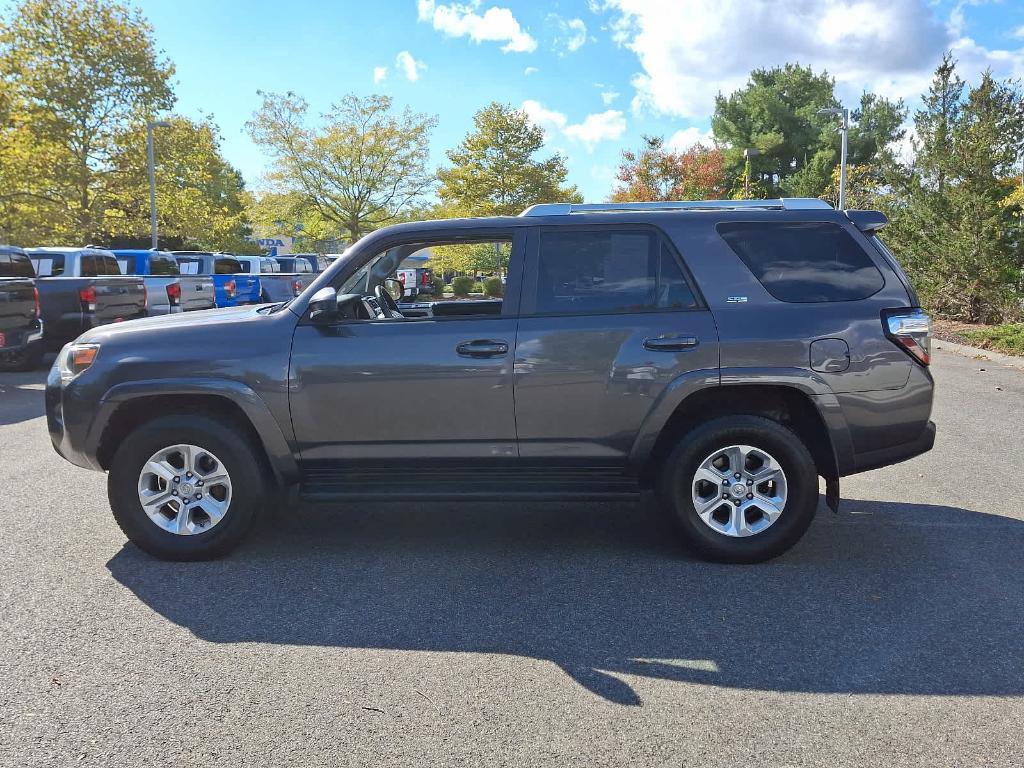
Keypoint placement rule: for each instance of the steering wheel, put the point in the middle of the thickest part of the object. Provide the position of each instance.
(385, 298)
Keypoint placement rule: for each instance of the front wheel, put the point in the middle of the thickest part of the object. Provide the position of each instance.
(185, 487)
(742, 489)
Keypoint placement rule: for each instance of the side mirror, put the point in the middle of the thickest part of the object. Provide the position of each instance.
(395, 288)
(323, 307)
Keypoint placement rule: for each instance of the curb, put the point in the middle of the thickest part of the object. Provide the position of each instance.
(1011, 361)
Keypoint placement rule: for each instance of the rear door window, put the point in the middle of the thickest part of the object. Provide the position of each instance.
(16, 265)
(608, 271)
(804, 262)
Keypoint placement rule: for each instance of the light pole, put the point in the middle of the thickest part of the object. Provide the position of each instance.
(150, 125)
(747, 154)
(844, 130)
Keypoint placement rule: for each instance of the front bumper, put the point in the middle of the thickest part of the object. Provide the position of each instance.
(68, 420)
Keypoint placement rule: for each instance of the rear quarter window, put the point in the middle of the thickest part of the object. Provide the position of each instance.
(804, 262)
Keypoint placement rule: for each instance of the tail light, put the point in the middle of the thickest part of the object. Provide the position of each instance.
(425, 279)
(401, 277)
(909, 329)
(39, 312)
(296, 287)
(87, 296)
(174, 294)
(230, 289)
(145, 297)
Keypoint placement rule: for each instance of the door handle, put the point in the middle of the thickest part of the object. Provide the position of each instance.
(670, 343)
(482, 348)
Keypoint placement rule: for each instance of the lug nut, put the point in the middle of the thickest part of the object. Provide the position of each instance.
(737, 502)
(199, 495)
(725, 495)
(199, 483)
(750, 482)
(177, 479)
(737, 475)
(725, 482)
(188, 474)
(174, 493)
(750, 495)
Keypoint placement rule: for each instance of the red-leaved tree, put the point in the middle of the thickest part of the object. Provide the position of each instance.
(657, 173)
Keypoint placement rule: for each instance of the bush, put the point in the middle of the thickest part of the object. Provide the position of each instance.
(438, 284)
(493, 287)
(1007, 338)
(462, 286)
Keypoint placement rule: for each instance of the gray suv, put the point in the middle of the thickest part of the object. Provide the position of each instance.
(723, 355)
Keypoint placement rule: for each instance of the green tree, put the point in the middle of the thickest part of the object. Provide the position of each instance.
(495, 172)
(82, 72)
(359, 169)
(777, 113)
(201, 199)
(954, 224)
(657, 173)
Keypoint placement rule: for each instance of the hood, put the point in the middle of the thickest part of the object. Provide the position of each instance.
(207, 321)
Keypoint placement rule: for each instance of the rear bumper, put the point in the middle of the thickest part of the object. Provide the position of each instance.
(894, 454)
(17, 345)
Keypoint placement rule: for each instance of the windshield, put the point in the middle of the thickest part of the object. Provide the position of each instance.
(357, 283)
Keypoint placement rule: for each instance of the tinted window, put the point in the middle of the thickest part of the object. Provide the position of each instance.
(226, 267)
(99, 264)
(15, 265)
(163, 265)
(608, 271)
(804, 262)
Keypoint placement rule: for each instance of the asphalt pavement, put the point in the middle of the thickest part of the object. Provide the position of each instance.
(537, 634)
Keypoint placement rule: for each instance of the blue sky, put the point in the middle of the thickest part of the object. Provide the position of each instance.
(596, 74)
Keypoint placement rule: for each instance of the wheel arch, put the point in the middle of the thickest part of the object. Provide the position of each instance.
(792, 397)
(126, 406)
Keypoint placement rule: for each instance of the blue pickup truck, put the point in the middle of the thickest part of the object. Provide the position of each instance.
(232, 286)
(167, 290)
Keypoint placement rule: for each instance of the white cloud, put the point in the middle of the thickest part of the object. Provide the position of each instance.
(530, 71)
(571, 33)
(688, 52)
(594, 129)
(610, 124)
(1018, 32)
(495, 25)
(408, 65)
(380, 74)
(682, 140)
(609, 96)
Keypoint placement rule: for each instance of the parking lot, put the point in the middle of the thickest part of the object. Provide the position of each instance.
(495, 634)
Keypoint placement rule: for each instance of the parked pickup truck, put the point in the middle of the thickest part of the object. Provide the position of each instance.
(275, 285)
(21, 329)
(231, 286)
(81, 288)
(318, 261)
(168, 291)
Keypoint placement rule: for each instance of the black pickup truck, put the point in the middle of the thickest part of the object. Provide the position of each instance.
(21, 329)
(82, 288)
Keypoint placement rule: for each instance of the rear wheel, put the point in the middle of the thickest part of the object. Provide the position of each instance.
(185, 487)
(742, 489)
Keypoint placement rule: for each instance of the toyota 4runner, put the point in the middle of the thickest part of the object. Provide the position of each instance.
(721, 354)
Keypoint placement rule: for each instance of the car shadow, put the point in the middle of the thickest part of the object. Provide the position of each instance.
(22, 396)
(884, 598)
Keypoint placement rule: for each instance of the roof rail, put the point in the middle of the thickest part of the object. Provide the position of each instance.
(779, 204)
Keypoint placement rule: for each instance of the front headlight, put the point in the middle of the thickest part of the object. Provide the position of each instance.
(76, 358)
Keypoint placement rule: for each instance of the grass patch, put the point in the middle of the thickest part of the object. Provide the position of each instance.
(1008, 338)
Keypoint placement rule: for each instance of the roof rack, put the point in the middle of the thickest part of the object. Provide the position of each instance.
(780, 204)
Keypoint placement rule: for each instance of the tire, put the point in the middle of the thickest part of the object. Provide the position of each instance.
(30, 359)
(230, 453)
(738, 529)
